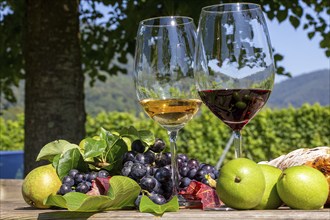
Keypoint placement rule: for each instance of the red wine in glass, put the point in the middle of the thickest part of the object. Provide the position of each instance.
(235, 107)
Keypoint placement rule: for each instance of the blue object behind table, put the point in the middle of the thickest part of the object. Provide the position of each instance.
(11, 164)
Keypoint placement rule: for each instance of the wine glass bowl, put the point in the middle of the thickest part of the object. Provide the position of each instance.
(235, 72)
(164, 75)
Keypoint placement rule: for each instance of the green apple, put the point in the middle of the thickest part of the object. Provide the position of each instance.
(39, 184)
(270, 199)
(241, 184)
(303, 187)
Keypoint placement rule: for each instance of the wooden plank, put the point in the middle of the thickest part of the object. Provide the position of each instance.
(14, 207)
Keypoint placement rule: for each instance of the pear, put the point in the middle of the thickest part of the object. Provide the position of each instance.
(303, 187)
(241, 184)
(270, 199)
(39, 184)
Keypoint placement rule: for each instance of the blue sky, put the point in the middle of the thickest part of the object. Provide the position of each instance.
(301, 55)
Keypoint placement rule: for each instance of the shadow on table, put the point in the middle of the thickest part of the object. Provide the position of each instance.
(65, 215)
(60, 214)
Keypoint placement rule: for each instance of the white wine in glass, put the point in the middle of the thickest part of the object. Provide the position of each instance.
(164, 77)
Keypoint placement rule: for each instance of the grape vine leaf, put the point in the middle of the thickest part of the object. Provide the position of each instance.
(50, 150)
(93, 147)
(132, 133)
(116, 147)
(122, 194)
(71, 159)
(146, 205)
(147, 137)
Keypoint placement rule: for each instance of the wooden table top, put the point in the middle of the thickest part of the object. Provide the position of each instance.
(12, 206)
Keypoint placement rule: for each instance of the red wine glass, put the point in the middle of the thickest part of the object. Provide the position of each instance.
(234, 66)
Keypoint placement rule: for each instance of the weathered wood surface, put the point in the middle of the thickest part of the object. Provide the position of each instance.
(12, 206)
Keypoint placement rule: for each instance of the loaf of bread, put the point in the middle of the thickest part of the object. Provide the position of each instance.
(318, 158)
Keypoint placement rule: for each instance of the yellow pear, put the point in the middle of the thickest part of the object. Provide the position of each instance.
(39, 184)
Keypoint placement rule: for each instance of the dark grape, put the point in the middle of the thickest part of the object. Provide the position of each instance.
(157, 198)
(191, 173)
(150, 170)
(148, 183)
(208, 168)
(163, 159)
(103, 174)
(138, 146)
(169, 167)
(138, 201)
(82, 187)
(149, 157)
(183, 157)
(138, 171)
(68, 180)
(184, 182)
(192, 163)
(168, 187)
(180, 162)
(163, 175)
(126, 170)
(140, 158)
(89, 184)
(158, 188)
(184, 171)
(200, 174)
(91, 176)
(129, 156)
(64, 189)
(158, 146)
(78, 178)
(128, 164)
(73, 173)
(205, 181)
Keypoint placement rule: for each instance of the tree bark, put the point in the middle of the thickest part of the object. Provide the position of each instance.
(54, 95)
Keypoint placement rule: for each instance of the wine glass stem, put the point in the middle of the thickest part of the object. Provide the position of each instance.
(174, 164)
(238, 143)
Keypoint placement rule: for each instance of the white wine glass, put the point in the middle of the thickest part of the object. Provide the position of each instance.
(234, 68)
(164, 78)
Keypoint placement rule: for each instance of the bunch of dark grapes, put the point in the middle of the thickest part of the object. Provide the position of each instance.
(77, 181)
(151, 169)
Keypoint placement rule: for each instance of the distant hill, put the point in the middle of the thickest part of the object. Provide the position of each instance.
(306, 88)
(118, 94)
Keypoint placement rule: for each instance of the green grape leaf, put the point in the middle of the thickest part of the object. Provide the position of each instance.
(93, 147)
(114, 153)
(147, 137)
(71, 159)
(56, 160)
(146, 205)
(50, 150)
(130, 133)
(122, 194)
(55, 200)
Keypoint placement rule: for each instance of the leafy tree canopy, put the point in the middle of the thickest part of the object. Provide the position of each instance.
(108, 30)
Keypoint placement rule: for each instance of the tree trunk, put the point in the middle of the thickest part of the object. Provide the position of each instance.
(54, 95)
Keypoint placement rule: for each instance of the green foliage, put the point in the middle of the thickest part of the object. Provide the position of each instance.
(146, 205)
(271, 133)
(121, 195)
(12, 133)
(108, 31)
